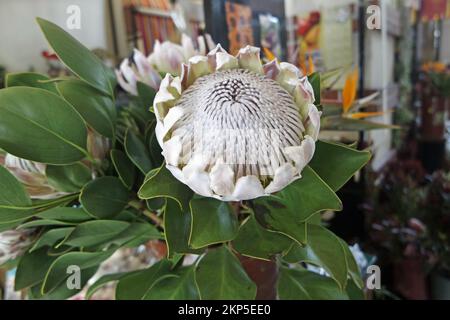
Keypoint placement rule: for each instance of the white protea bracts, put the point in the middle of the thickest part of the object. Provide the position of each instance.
(166, 57)
(14, 243)
(234, 129)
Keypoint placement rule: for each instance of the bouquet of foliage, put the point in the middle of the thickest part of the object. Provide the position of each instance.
(219, 160)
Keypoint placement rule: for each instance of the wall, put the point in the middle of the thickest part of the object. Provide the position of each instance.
(21, 41)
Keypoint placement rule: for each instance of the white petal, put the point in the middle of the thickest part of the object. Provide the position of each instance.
(313, 122)
(301, 155)
(249, 59)
(225, 61)
(304, 92)
(222, 179)
(188, 46)
(284, 175)
(212, 56)
(199, 182)
(159, 131)
(172, 150)
(272, 69)
(196, 163)
(247, 187)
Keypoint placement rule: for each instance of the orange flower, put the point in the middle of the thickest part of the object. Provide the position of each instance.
(349, 92)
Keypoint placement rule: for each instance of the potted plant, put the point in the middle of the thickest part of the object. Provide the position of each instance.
(87, 179)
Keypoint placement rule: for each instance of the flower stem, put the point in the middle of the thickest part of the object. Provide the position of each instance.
(151, 215)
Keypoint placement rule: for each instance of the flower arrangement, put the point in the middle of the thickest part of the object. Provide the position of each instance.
(439, 74)
(90, 178)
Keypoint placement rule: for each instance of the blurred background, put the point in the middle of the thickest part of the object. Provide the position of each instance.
(397, 210)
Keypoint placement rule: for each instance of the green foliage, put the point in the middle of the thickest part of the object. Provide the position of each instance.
(127, 197)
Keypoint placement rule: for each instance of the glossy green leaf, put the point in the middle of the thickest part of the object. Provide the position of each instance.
(304, 285)
(44, 222)
(104, 197)
(255, 241)
(52, 238)
(137, 152)
(336, 163)
(314, 79)
(82, 62)
(38, 125)
(138, 284)
(29, 79)
(220, 276)
(14, 200)
(180, 287)
(96, 108)
(213, 221)
(92, 233)
(177, 228)
(69, 178)
(124, 168)
(352, 266)
(275, 216)
(57, 272)
(160, 183)
(337, 123)
(136, 234)
(66, 214)
(309, 195)
(146, 94)
(102, 281)
(32, 268)
(324, 249)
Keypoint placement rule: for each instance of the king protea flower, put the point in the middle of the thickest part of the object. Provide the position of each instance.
(234, 129)
(14, 243)
(166, 57)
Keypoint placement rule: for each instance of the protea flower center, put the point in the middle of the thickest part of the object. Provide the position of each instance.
(233, 129)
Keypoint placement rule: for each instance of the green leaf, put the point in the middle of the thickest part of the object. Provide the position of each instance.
(220, 276)
(51, 238)
(102, 281)
(95, 232)
(57, 272)
(136, 234)
(180, 287)
(29, 79)
(277, 217)
(161, 183)
(324, 249)
(38, 125)
(69, 178)
(314, 79)
(76, 57)
(104, 197)
(146, 94)
(309, 195)
(177, 228)
(135, 286)
(336, 163)
(62, 291)
(304, 285)
(14, 200)
(32, 268)
(213, 222)
(65, 214)
(337, 123)
(96, 108)
(255, 241)
(353, 269)
(137, 152)
(124, 168)
(44, 222)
